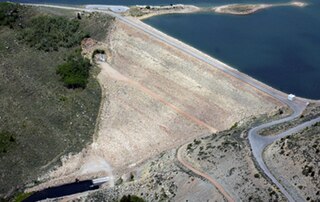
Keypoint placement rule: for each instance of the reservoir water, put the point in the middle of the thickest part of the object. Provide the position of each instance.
(279, 46)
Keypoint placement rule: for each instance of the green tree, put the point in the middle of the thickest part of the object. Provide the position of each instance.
(8, 13)
(75, 71)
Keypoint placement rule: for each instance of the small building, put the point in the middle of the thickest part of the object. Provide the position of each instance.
(291, 97)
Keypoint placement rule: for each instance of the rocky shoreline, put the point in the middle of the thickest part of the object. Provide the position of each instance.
(145, 11)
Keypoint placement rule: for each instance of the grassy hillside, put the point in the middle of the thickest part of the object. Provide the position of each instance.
(41, 119)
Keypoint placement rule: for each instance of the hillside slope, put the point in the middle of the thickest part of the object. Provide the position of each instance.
(40, 119)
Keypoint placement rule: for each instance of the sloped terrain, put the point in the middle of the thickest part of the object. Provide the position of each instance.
(294, 160)
(159, 98)
(40, 119)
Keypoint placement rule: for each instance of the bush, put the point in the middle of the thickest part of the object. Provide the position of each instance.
(49, 33)
(22, 196)
(75, 71)
(6, 141)
(132, 198)
(235, 125)
(8, 13)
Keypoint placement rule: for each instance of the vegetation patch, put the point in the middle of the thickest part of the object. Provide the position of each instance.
(75, 71)
(45, 119)
(7, 140)
(8, 13)
(22, 196)
(131, 198)
(136, 12)
(49, 33)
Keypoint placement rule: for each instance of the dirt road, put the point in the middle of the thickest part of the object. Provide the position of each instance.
(204, 175)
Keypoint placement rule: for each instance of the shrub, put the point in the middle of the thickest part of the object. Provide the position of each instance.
(49, 33)
(235, 125)
(131, 198)
(8, 13)
(22, 196)
(196, 142)
(6, 141)
(75, 71)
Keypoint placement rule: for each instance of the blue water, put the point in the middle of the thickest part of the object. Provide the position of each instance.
(279, 46)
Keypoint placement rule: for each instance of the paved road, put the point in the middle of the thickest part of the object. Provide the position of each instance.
(257, 142)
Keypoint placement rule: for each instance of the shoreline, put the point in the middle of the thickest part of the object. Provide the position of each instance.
(143, 12)
(246, 9)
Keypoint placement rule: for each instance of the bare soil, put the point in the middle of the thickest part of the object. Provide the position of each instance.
(143, 12)
(227, 158)
(166, 178)
(159, 179)
(295, 162)
(156, 98)
(246, 9)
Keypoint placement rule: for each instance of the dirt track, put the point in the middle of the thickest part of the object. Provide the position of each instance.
(202, 174)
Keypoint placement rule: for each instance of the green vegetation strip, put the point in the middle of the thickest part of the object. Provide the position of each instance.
(131, 198)
(22, 196)
(49, 33)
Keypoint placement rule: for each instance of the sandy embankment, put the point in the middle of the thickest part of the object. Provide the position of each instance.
(143, 12)
(156, 98)
(246, 9)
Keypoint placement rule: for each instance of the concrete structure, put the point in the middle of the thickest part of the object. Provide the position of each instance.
(101, 57)
(100, 181)
(116, 9)
(291, 97)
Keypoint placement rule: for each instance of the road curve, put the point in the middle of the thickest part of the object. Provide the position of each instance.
(256, 141)
(204, 175)
(259, 143)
